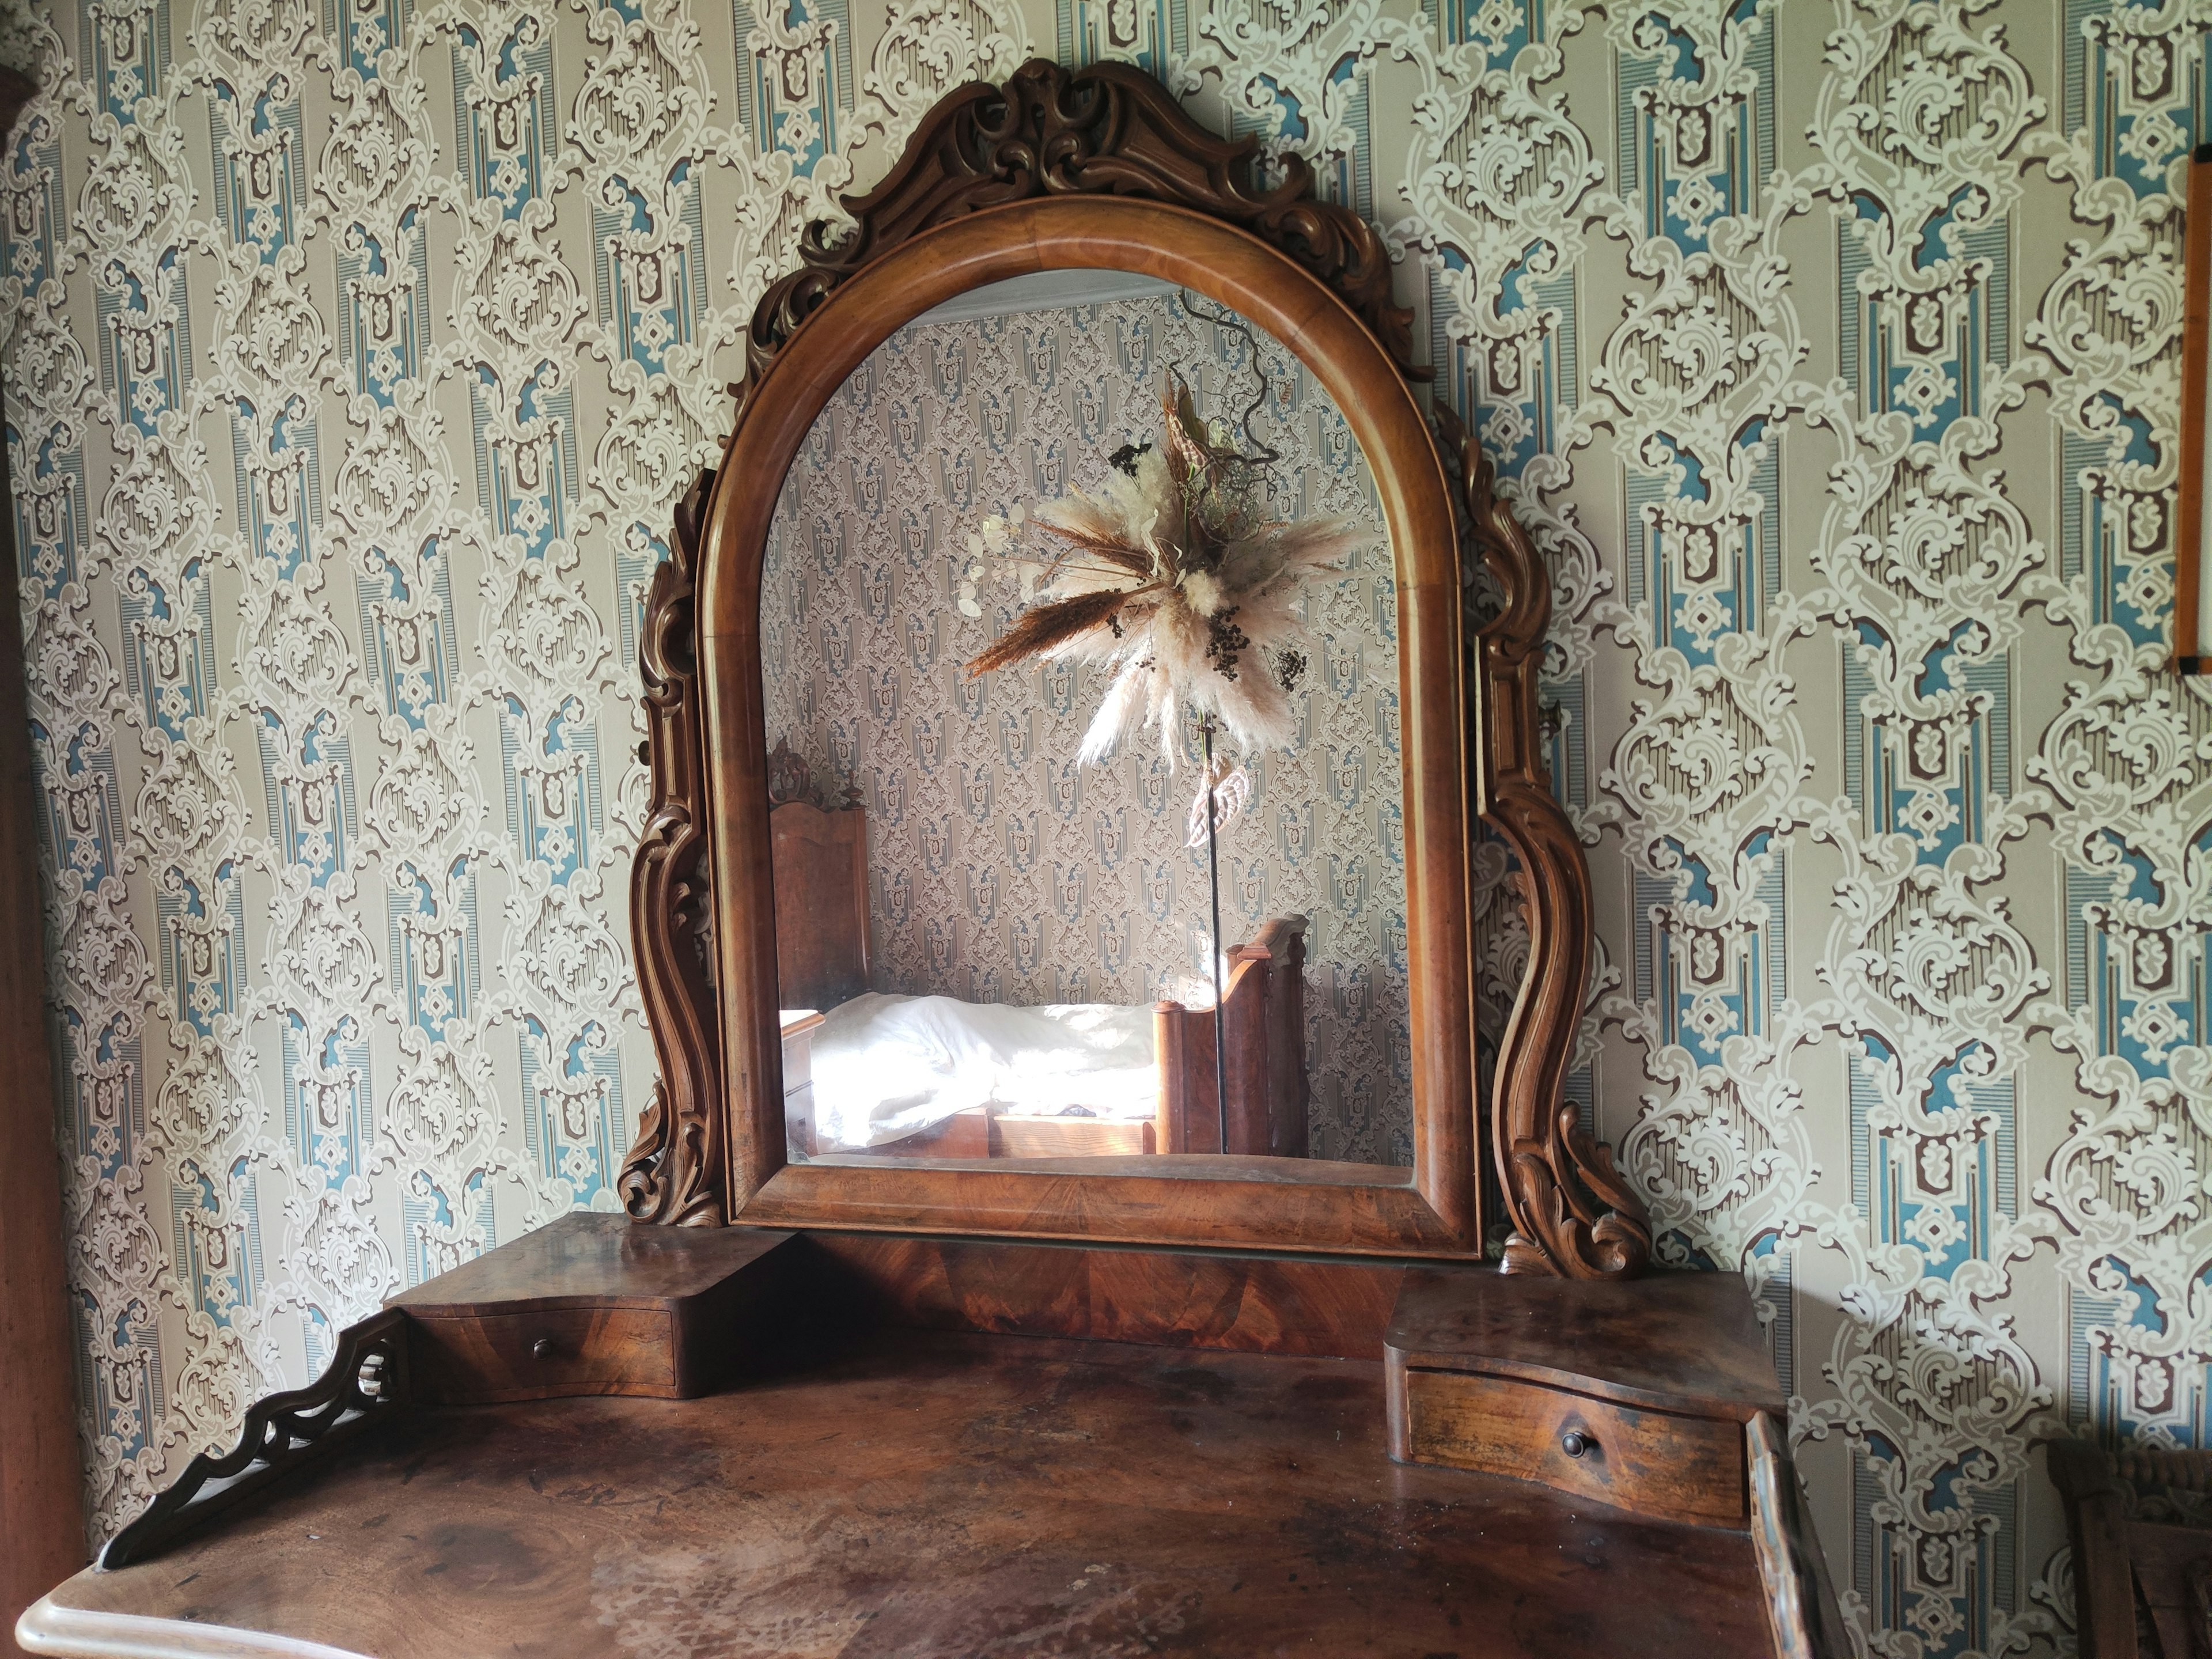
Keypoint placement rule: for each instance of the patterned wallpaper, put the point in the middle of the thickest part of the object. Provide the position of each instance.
(1002, 871)
(358, 350)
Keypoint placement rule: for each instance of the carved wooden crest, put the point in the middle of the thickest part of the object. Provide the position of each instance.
(790, 779)
(1106, 130)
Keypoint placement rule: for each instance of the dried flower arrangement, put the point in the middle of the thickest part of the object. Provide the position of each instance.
(1177, 577)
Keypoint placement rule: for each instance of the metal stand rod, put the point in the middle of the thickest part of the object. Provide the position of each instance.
(1213, 880)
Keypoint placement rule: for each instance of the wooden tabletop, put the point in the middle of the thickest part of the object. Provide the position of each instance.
(931, 1494)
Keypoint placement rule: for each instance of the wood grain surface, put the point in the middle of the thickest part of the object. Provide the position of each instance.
(1100, 169)
(1801, 1597)
(1572, 1214)
(2190, 649)
(1080, 145)
(1263, 1021)
(1679, 1342)
(364, 1385)
(2096, 1502)
(1256, 1304)
(674, 1171)
(819, 862)
(943, 1495)
(600, 1304)
(2128, 1567)
(1265, 1203)
(478, 1358)
(2173, 1564)
(1654, 1463)
(590, 1260)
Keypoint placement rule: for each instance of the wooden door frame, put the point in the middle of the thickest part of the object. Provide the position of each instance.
(41, 1467)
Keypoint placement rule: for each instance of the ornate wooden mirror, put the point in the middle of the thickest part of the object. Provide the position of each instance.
(644, 1433)
(918, 956)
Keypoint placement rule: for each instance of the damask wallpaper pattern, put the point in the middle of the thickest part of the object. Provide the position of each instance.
(1001, 869)
(359, 347)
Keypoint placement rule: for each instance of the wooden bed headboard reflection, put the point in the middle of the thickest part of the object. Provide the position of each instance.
(821, 872)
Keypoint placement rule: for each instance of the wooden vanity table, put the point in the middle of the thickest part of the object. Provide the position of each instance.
(800, 1401)
(918, 1446)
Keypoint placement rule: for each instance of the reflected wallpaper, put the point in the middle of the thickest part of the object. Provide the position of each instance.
(1003, 872)
(358, 349)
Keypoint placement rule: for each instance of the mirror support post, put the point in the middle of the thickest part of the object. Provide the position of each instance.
(1213, 944)
(1573, 1213)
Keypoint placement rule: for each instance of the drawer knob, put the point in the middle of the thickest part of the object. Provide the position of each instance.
(542, 1349)
(1575, 1443)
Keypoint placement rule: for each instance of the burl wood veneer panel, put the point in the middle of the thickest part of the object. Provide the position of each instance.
(1256, 1304)
(536, 1356)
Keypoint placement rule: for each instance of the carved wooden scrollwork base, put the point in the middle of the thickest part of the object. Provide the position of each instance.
(1054, 131)
(674, 1173)
(367, 1377)
(1572, 1214)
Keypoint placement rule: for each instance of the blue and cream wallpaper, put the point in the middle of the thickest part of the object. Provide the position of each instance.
(357, 349)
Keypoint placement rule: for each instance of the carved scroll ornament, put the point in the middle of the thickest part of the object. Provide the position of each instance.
(673, 1173)
(1053, 131)
(1572, 1214)
(365, 1378)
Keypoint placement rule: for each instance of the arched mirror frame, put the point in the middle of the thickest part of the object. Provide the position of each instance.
(1099, 168)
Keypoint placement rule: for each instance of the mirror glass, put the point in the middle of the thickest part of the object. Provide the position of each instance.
(1052, 546)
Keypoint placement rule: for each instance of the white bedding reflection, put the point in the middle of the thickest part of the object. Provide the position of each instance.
(889, 1066)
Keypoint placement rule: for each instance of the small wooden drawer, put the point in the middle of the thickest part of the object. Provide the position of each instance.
(1652, 1462)
(470, 1358)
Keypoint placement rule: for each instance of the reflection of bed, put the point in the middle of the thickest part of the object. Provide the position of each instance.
(935, 1077)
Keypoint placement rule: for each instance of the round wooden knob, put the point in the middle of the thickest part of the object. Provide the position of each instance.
(542, 1349)
(1575, 1443)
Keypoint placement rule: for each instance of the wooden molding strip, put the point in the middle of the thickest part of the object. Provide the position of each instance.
(1800, 1601)
(2196, 339)
(41, 1481)
(46, 1627)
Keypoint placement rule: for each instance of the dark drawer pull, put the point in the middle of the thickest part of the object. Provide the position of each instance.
(1575, 1443)
(542, 1348)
